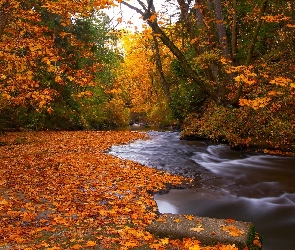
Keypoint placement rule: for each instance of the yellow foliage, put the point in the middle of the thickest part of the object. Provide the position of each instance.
(138, 76)
(256, 103)
(275, 18)
(282, 81)
(153, 17)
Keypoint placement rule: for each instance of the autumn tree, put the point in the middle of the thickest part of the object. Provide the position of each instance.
(137, 86)
(53, 55)
(240, 55)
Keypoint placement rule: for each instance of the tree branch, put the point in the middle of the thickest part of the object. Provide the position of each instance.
(142, 5)
(133, 8)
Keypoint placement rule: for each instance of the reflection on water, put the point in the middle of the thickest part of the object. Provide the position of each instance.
(229, 184)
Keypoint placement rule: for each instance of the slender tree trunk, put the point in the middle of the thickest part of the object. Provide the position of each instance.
(192, 34)
(199, 14)
(187, 22)
(165, 84)
(256, 32)
(184, 63)
(221, 29)
(251, 48)
(234, 33)
(292, 10)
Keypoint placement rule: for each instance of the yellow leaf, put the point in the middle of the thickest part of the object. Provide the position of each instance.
(71, 78)
(129, 244)
(165, 241)
(77, 246)
(46, 60)
(63, 34)
(90, 243)
(3, 202)
(189, 217)
(197, 229)
(195, 40)
(153, 18)
(195, 247)
(232, 230)
(58, 79)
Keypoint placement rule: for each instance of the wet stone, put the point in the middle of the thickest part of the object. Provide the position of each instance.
(209, 231)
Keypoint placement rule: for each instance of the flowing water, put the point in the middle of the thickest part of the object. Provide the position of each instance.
(228, 184)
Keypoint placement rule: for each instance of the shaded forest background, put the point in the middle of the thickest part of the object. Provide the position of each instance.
(222, 69)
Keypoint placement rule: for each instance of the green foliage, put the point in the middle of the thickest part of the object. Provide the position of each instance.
(177, 69)
(186, 98)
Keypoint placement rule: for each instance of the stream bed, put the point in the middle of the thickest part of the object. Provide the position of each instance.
(241, 185)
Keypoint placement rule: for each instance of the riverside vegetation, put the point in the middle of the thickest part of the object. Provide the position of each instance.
(222, 70)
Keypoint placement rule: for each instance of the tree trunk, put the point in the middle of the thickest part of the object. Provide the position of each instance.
(165, 84)
(234, 33)
(183, 61)
(251, 48)
(256, 32)
(221, 29)
(208, 89)
(192, 34)
(187, 23)
(293, 12)
(199, 14)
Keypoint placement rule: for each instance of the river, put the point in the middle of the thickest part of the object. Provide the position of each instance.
(228, 184)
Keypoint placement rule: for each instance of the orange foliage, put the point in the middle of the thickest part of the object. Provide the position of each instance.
(28, 53)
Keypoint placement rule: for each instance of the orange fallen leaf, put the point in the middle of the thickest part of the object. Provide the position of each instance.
(3, 202)
(197, 229)
(232, 230)
(165, 241)
(195, 247)
(189, 217)
(77, 246)
(90, 243)
(230, 220)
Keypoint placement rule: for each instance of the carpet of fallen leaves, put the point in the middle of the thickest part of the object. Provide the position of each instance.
(60, 190)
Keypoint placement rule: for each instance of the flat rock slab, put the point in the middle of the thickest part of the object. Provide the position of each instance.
(209, 231)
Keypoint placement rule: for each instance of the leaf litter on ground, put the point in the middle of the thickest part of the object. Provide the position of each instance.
(60, 190)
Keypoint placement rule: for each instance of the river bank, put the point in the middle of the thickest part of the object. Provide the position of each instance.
(249, 144)
(61, 190)
(242, 128)
(245, 186)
